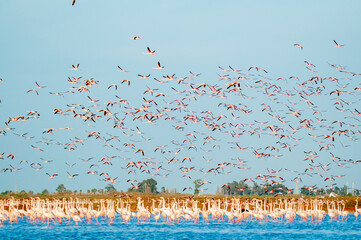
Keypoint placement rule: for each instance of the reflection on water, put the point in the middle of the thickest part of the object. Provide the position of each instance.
(326, 229)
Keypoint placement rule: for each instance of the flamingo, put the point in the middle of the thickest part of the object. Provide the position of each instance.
(338, 45)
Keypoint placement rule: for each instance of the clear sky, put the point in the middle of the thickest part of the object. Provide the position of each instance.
(41, 40)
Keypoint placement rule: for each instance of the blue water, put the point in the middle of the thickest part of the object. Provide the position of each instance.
(349, 229)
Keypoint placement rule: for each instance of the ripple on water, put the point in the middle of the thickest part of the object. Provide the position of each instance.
(187, 230)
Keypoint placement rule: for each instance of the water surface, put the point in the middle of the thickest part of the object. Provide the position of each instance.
(326, 229)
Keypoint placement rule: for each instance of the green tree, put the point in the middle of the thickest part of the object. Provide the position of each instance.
(241, 188)
(197, 184)
(45, 191)
(110, 188)
(343, 190)
(236, 188)
(320, 191)
(149, 185)
(23, 193)
(61, 188)
(276, 188)
(305, 191)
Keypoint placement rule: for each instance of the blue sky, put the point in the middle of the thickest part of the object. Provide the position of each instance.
(42, 39)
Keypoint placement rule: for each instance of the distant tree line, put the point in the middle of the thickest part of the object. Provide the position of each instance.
(242, 188)
(345, 190)
(232, 188)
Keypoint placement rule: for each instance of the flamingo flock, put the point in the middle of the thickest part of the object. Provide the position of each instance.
(171, 211)
(265, 128)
